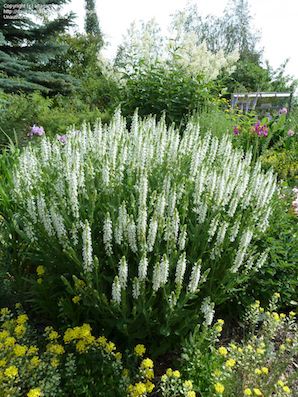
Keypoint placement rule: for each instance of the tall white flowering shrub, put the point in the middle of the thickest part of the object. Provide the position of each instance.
(160, 227)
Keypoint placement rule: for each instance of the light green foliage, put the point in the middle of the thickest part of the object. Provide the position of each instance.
(153, 222)
(260, 363)
(20, 112)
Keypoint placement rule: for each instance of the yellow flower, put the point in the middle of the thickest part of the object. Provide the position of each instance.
(275, 316)
(32, 350)
(137, 390)
(282, 347)
(240, 350)
(280, 383)
(35, 361)
(247, 392)
(20, 350)
(53, 335)
(81, 346)
(2, 363)
(164, 378)
(4, 334)
(217, 372)
(76, 299)
(4, 311)
(222, 351)
(10, 341)
(39, 280)
(230, 363)
(54, 362)
(176, 374)
(257, 303)
(20, 330)
(218, 328)
(40, 270)
(149, 373)
(260, 351)
(110, 347)
(286, 389)
(169, 372)
(118, 356)
(249, 348)
(139, 350)
(282, 316)
(55, 348)
(265, 370)
(219, 388)
(18, 305)
(257, 392)
(147, 363)
(22, 319)
(11, 372)
(220, 321)
(79, 284)
(149, 386)
(34, 392)
(277, 295)
(125, 373)
(258, 371)
(292, 314)
(102, 340)
(191, 393)
(233, 346)
(188, 384)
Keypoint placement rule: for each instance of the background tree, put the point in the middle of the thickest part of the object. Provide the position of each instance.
(232, 31)
(91, 21)
(28, 41)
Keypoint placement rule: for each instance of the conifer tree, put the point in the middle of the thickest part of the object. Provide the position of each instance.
(28, 41)
(91, 22)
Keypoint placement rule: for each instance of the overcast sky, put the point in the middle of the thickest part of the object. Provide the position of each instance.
(277, 20)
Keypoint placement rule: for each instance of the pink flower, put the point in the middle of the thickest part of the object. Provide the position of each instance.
(291, 133)
(283, 111)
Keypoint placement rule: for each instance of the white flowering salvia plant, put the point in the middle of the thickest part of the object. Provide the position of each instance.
(159, 226)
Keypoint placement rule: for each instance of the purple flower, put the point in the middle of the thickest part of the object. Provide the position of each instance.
(236, 130)
(36, 130)
(291, 133)
(62, 138)
(261, 130)
(283, 111)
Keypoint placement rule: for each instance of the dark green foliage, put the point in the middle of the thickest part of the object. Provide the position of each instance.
(26, 46)
(91, 21)
(280, 273)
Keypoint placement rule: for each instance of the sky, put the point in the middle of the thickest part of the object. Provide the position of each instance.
(277, 20)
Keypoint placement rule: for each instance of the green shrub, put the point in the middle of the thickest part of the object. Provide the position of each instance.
(161, 88)
(154, 224)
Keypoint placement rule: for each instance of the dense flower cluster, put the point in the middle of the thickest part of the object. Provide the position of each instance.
(36, 130)
(167, 208)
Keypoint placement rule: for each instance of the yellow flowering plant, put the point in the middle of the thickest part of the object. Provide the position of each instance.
(260, 365)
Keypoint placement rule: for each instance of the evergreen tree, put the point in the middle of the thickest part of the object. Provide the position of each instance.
(28, 41)
(91, 21)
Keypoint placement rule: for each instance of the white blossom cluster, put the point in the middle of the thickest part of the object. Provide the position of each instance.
(143, 46)
(162, 208)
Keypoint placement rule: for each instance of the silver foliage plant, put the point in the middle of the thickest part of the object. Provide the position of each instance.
(166, 218)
